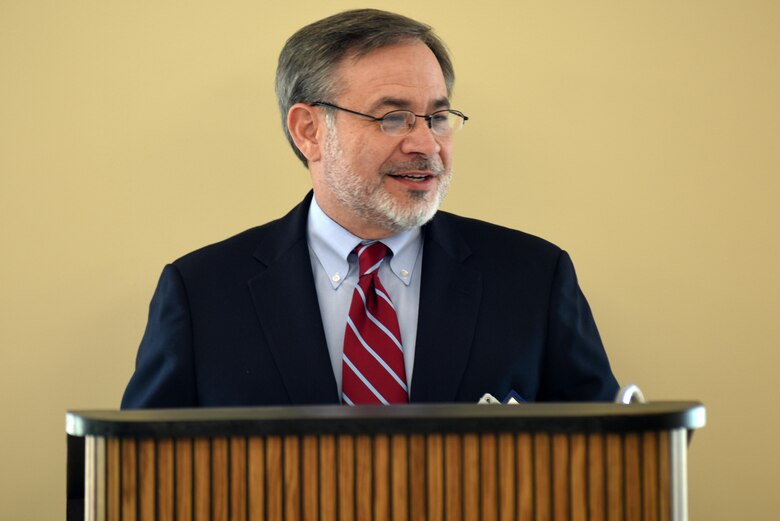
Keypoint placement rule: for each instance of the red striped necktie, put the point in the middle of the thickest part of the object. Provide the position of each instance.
(373, 370)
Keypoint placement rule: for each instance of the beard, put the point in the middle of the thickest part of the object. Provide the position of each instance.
(369, 199)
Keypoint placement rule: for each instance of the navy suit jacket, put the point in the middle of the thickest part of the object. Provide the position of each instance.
(237, 323)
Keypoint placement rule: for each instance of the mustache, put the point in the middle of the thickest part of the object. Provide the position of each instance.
(435, 166)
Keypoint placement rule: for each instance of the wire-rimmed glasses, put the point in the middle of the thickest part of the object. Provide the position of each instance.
(399, 122)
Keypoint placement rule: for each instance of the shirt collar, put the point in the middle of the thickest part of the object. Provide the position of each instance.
(332, 244)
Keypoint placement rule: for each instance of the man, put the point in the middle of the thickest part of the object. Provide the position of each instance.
(447, 309)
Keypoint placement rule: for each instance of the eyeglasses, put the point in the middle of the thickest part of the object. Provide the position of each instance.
(401, 122)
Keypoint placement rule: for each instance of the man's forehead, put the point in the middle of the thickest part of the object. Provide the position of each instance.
(393, 103)
(394, 75)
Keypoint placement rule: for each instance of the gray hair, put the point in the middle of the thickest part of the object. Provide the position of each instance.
(307, 61)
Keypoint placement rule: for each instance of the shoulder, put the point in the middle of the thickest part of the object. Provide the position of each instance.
(481, 236)
(260, 243)
(240, 245)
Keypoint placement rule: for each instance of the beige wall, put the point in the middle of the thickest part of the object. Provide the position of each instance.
(641, 136)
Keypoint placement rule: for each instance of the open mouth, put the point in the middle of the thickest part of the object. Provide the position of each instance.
(413, 177)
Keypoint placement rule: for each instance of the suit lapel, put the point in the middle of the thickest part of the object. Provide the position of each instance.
(449, 302)
(286, 304)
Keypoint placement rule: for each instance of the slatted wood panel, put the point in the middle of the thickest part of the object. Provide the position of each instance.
(448, 477)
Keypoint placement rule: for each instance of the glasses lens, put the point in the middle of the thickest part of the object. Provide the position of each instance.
(397, 122)
(446, 122)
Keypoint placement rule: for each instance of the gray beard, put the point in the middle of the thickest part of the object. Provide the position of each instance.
(374, 204)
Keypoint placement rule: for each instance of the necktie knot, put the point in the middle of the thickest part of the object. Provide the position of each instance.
(370, 256)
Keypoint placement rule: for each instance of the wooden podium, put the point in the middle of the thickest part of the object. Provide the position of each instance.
(414, 462)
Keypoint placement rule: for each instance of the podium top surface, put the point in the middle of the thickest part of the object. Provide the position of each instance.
(412, 418)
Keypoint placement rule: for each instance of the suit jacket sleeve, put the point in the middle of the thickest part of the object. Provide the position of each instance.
(575, 363)
(164, 370)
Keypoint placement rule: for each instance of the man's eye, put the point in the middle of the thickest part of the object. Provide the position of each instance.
(395, 119)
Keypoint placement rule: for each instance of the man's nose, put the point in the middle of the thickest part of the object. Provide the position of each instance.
(421, 140)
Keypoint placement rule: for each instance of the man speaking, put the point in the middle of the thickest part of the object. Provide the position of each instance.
(365, 293)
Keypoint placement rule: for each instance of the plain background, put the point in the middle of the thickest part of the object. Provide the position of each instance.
(643, 137)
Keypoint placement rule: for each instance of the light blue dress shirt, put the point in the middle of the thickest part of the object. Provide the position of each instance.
(335, 270)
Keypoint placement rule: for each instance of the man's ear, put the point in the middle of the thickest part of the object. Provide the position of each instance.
(304, 122)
